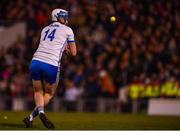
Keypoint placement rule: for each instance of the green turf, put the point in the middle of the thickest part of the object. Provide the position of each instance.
(92, 121)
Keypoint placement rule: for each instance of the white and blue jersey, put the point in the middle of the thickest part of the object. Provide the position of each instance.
(53, 41)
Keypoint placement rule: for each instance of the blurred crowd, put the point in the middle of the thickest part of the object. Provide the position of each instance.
(119, 42)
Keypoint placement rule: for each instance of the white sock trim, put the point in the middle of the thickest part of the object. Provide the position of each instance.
(41, 112)
(31, 118)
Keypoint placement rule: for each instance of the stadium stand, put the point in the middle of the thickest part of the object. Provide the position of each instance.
(138, 51)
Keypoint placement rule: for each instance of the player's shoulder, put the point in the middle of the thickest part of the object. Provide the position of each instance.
(61, 27)
(47, 26)
(67, 28)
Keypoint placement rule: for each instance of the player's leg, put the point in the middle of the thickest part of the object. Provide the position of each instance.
(35, 112)
(50, 79)
(49, 92)
(38, 96)
(35, 74)
(48, 95)
(39, 101)
(50, 83)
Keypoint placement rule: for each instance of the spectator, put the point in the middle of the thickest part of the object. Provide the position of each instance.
(144, 39)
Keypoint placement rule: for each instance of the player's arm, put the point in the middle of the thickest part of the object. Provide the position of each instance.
(72, 48)
(71, 43)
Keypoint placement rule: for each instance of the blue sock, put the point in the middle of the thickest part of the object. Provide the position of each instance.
(33, 114)
(40, 109)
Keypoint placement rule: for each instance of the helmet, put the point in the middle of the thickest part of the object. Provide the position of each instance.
(59, 13)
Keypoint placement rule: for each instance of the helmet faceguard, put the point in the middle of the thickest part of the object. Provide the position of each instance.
(63, 15)
(58, 14)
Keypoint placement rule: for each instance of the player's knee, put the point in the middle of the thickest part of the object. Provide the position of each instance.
(49, 91)
(37, 85)
(38, 89)
(48, 96)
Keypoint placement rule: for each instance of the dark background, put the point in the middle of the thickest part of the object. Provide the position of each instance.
(141, 46)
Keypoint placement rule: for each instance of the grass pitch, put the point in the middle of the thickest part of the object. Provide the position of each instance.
(77, 121)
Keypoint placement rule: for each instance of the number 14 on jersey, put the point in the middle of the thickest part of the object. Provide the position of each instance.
(49, 34)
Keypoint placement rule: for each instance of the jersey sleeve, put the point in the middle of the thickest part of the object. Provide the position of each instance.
(70, 36)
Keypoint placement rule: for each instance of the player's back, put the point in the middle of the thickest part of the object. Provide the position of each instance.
(53, 40)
